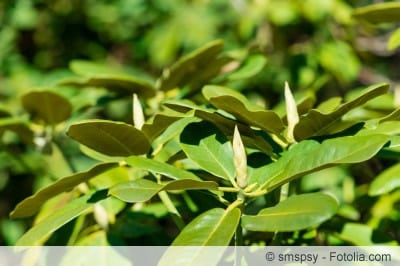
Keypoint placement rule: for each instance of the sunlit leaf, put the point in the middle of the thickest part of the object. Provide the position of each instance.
(394, 40)
(379, 13)
(110, 138)
(142, 189)
(237, 105)
(39, 232)
(160, 168)
(295, 213)
(386, 181)
(252, 66)
(310, 156)
(204, 144)
(212, 228)
(316, 123)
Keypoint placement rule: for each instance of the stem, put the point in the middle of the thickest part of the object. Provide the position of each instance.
(77, 228)
(172, 210)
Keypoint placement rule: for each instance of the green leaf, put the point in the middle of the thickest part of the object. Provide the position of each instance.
(212, 228)
(237, 105)
(316, 123)
(118, 83)
(253, 65)
(394, 40)
(379, 13)
(142, 189)
(96, 252)
(39, 232)
(194, 68)
(204, 144)
(110, 138)
(32, 204)
(160, 168)
(47, 106)
(159, 124)
(251, 138)
(136, 191)
(110, 77)
(309, 156)
(295, 213)
(18, 126)
(386, 181)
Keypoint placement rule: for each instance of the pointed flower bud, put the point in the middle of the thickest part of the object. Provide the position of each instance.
(291, 113)
(138, 117)
(239, 159)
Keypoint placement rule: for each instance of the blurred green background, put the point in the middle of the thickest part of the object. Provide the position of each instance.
(315, 45)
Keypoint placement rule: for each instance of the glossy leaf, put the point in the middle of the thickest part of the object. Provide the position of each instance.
(295, 213)
(379, 13)
(316, 123)
(160, 168)
(18, 126)
(32, 204)
(212, 228)
(386, 181)
(204, 144)
(110, 138)
(47, 106)
(199, 65)
(39, 232)
(142, 189)
(246, 112)
(310, 156)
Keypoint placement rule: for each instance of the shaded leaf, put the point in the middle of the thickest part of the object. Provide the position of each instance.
(386, 181)
(47, 106)
(237, 105)
(19, 127)
(142, 189)
(32, 204)
(204, 144)
(316, 123)
(295, 213)
(160, 168)
(379, 13)
(310, 156)
(39, 232)
(110, 138)
(194, 68)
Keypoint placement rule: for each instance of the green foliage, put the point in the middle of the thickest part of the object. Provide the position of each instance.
(210, 149)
